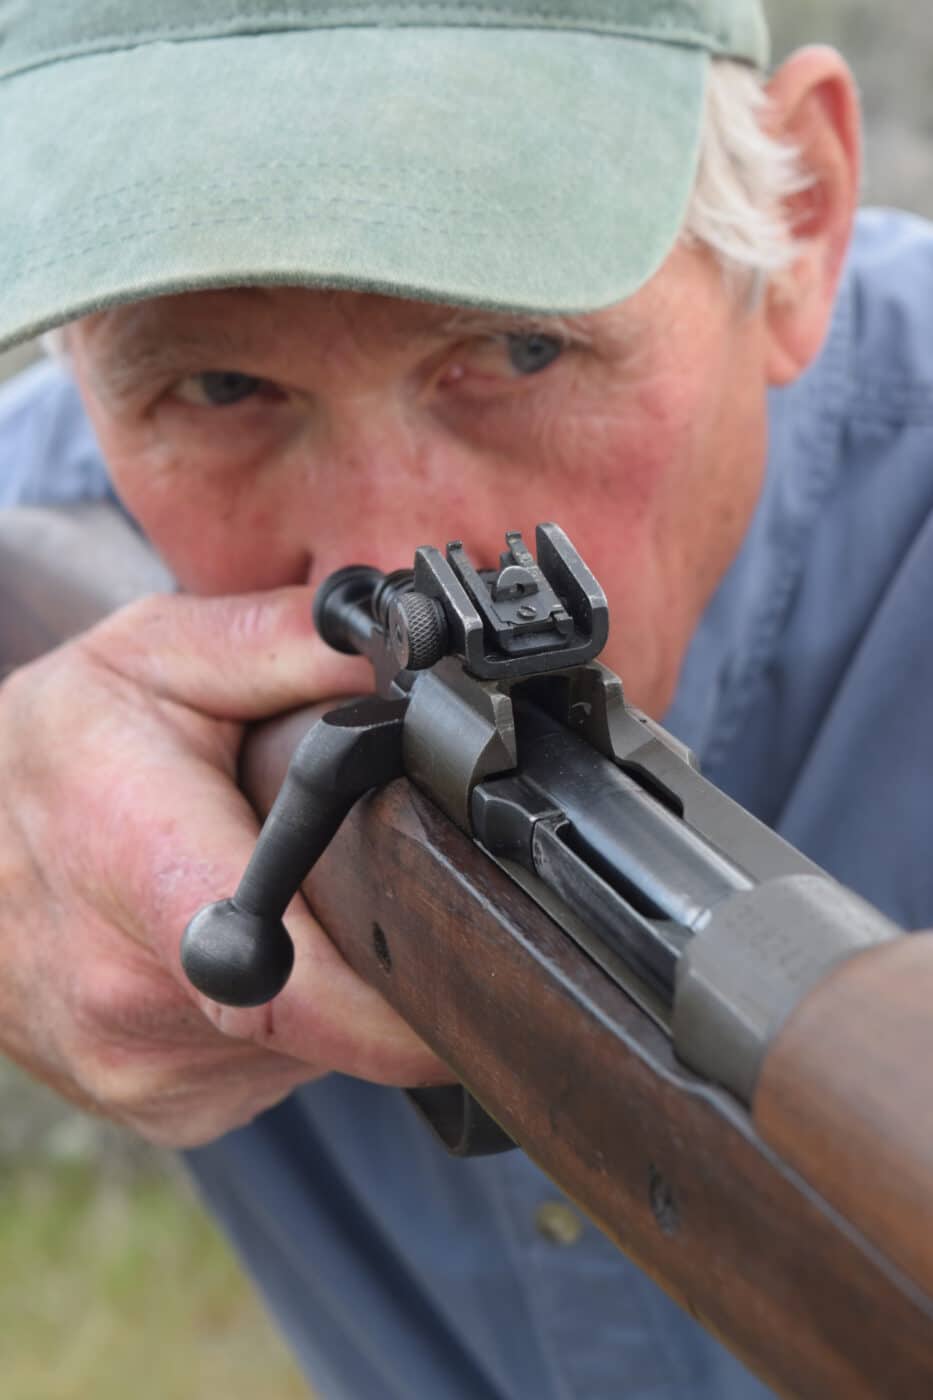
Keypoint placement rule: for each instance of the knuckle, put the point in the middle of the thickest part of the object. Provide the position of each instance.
(117, 645)
(249, 619)
(101, 1003)
(179, 1122)
(144, 1096)
(119, 1033)
(118, 1086)
(140, 616)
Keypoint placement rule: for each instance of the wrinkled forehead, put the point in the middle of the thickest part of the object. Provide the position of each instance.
(245, 319)
(270, 331)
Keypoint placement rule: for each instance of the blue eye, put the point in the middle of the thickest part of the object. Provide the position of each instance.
(221, 388)
(529, 354)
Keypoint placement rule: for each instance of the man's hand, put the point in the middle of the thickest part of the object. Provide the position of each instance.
(119, 818)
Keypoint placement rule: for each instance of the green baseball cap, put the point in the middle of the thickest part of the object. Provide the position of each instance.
(522, 155)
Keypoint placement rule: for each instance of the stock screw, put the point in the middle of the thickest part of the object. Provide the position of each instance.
(527, 611)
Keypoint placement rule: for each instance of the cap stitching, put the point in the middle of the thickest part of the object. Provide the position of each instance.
(228, 188)
(375, 174)
(363, 10)
(65, 253)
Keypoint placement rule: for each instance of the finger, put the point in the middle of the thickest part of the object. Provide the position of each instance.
(199, 834)
(238, 658)
(326, 1011)
(135, 1047)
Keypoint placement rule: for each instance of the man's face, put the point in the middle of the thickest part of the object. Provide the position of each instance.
(266, 437)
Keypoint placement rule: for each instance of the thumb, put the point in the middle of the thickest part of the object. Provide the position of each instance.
(238, 658)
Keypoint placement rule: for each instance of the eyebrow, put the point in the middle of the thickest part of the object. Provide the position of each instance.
(130, 355)
(574, 329)
(140, 344)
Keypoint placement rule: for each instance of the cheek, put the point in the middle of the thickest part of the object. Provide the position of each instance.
(217, 532)
(609, 467)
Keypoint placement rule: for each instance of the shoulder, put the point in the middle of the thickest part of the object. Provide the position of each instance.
(813, 666)
(48, 452)
(890, 269)
(890, 282)
(849, 486)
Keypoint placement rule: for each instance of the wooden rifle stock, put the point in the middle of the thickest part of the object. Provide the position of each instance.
(801, 1235)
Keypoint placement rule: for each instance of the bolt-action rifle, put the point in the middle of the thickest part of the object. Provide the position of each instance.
(722, 1055)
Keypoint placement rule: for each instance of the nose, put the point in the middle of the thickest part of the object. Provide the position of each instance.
(386, 483)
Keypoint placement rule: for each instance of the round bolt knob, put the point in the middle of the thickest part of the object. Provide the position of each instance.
(235, 957)
(336, 601)
(417, 631)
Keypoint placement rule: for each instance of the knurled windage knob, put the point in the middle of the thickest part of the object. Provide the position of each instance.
(417, 631)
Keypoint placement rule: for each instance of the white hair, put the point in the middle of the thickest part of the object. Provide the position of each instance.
(745, 179)
(55, 343)
(738, 208)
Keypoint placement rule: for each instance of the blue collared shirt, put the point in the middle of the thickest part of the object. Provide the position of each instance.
(400, 1274)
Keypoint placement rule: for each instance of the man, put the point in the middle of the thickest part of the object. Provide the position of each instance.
(339, 280)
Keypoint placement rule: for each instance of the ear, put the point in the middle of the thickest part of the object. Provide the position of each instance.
(815, 109)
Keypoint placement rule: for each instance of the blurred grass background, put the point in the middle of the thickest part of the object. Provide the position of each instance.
(114, 1287)
(112, 1282)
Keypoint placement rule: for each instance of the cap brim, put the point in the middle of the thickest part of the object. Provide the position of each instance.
(523, 171)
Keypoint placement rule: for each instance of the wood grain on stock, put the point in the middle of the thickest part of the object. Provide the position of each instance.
(825, 1100)
(669, 1169)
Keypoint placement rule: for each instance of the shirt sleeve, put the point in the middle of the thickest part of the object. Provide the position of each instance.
(48, 452)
